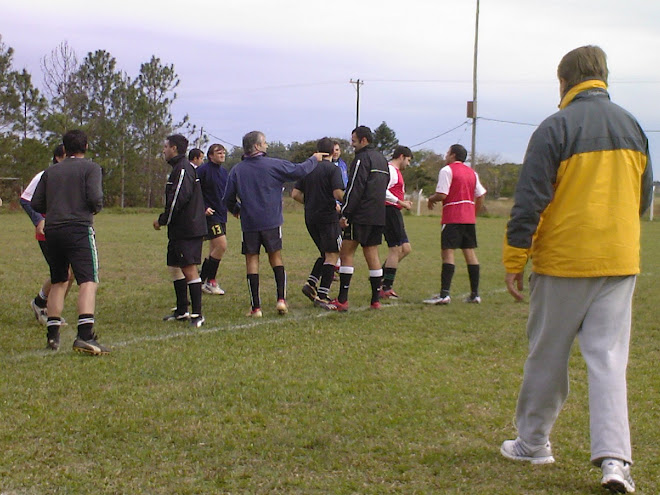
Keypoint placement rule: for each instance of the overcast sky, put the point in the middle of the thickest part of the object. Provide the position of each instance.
(284, 66)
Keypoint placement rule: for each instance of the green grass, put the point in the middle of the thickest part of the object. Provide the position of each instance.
(412, 399)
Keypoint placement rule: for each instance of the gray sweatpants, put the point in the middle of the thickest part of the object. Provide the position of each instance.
(597, 311)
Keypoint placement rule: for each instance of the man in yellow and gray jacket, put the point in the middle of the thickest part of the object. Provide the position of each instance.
(585, 180)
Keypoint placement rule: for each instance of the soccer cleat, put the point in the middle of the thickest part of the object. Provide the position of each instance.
(254, 313)
(341, 307)
(388, 294)
(518, 450)
(282, 307)
(310, 292)
(90, 346)
(212, 287)
(616, 476)
(472, 299)
(325, 304)
(53, 342)
(197, 320)
(41, 314)
(438, 299)
(177, 316)
(375, 305)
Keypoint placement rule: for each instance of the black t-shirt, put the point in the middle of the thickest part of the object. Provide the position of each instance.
(317, 187)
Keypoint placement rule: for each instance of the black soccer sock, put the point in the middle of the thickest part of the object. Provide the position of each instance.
(327, 274)
(345, 275)
(195, 289)
(181, 291)
(41, 300)
(204, 273)
(86, 326)
(253, 286)
(375, 278)
(214, 263)
(280, 281)
(445, 277)
(53, 326)
(473, 273)
(316, 273)
(388, 278)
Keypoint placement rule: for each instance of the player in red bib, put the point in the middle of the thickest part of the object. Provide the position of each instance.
(462, 195)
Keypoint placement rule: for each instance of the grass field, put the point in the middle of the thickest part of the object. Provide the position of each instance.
(408, 400)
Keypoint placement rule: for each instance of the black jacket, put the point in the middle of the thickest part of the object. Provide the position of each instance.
(184, 203)
(69, 193)
(368, 177)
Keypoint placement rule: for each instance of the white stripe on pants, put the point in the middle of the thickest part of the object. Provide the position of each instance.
(598, 311)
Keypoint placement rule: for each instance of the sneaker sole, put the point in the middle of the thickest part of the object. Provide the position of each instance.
(92, 352)
(617, 485)
(532, 460)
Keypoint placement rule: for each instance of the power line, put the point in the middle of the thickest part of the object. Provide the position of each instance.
(222, 140)
(508, 122)
(440, 135)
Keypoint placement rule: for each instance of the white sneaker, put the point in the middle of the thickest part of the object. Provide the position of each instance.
(212, 287)
(472, 299)
(616, 476)
(437, 299)
(518, 450)
(41, 314)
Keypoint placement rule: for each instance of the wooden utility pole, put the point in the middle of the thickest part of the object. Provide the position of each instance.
(357, 83)
(473, 153)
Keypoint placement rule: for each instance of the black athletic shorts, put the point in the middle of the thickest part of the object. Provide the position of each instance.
(458, 236)
(395, 231)
(216, 229)
(44, 250)
(271, 240)
(365, 235)
(326, 236)
(74, 246)
(184, 252)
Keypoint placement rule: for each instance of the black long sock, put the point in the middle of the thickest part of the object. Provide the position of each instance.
(445, 277)
(376, 281)
(280, 281)
(195, 289)
(473, 273)
(214, 263)
(86, 326)
(327, 274)
(53, 326)
(316, 273)
(204, 273)
(253, 286)
(181, 291)
(345, 275)
(388, 278)
(41, 302)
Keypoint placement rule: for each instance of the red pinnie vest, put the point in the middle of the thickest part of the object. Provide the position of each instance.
(398, 189)
(458, 206)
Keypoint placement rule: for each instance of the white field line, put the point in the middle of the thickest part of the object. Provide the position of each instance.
(258, 322)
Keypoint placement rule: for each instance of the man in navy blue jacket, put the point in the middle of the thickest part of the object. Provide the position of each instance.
(213, 179)
(254, 192)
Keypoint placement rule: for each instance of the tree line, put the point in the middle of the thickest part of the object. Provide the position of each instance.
(127, 119)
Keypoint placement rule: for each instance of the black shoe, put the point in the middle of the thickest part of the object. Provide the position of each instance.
(53, 338)
(197, 320)
(90, 346)
(177, 316)
(310, 291)
(53, 343)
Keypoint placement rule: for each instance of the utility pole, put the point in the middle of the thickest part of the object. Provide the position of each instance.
(357, 83)
(474, 92)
